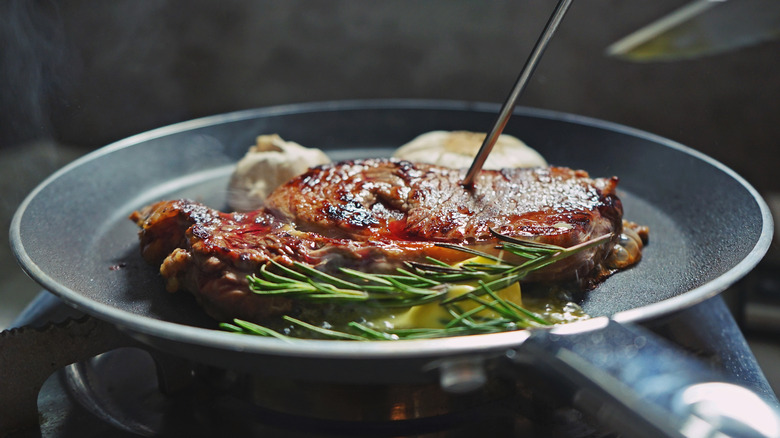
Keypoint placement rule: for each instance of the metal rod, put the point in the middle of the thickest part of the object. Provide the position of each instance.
(522, 80)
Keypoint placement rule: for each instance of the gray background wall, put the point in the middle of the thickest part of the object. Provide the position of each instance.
(75, 75)
(88, 73)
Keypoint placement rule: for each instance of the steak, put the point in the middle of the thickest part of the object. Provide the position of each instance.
(375, 215)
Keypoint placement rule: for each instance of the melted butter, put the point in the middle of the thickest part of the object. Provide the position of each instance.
(556, 311)
(433, 315)
(627, 251)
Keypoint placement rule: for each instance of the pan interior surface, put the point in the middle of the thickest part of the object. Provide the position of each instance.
(707, 226)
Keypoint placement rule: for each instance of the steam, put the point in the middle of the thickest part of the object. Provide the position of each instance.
(32, 50)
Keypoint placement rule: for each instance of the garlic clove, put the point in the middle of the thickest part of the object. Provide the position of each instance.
(269, 163)
(456, 149)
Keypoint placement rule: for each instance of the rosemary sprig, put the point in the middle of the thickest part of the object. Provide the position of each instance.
(420, 283)
(417, 284)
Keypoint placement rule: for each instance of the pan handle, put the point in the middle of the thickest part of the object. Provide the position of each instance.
(640, 385)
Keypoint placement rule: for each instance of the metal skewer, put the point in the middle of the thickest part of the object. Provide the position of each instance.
(509, 105)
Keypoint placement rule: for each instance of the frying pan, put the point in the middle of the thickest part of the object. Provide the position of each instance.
(708, 229)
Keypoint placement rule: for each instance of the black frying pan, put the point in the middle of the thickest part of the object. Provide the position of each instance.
(708, 227)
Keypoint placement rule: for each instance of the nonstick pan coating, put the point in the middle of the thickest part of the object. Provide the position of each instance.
(708, 227)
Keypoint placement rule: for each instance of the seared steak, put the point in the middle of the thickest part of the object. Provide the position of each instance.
(374, 215)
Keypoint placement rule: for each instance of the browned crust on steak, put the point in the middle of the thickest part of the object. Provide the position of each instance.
(399, 200)
(373, 215)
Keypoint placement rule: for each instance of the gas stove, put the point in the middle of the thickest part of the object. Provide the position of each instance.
(131, 391)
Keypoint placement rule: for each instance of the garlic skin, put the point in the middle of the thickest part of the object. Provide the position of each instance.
(457, 149)
(268, 164)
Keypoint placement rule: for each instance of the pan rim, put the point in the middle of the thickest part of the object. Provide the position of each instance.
(148, 326)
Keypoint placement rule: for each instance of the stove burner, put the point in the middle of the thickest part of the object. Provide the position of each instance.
(120, 389)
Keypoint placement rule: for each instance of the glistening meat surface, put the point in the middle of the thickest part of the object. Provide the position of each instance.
(374, 215)
(400, 200)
